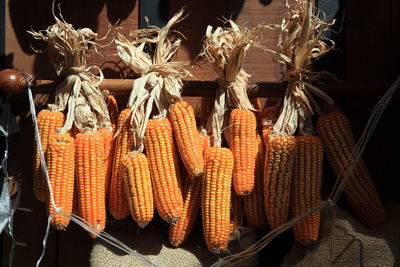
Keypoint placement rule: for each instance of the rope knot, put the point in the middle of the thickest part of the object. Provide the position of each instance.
(72, 70)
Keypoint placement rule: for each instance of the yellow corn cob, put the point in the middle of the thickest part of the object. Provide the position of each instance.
(60, 159)
(179, 232)
(216, 195)
(183, 122)
(253, 204)
(112, 107)
(108, 142)
(336, 136)
(90, 179)
(138, 191)
(243, 134)
(306, 187)
(206, 107)
(277, 178)
(236, 216)
(48, 123)
(117, 202)
(205, 141)
(164, 169)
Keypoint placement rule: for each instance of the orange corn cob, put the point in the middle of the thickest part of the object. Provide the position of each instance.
(60, 158)
(186, 135)
(205, 141)
(112, 107)
(90, 179)
(108, 142)
(216, 195)
(277, 178)
(243, 134)
(48, 123)
(306, 187)
(236, 216)
(191, 203)
(164, 169)
(117, 202)
(336, 136)
(179, 232)
(138, 191)
(206, 107)
(253, 204)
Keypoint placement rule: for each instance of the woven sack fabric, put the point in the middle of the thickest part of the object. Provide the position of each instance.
(351, 244)
(152, 242)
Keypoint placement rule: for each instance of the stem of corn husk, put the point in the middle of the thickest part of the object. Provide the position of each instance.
(225, 48)
(78, 94)
(301, 40)
(149, 54)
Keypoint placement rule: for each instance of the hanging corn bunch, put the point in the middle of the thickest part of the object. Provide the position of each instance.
(225, 48)
(80, 102)
(149, 54)
(288, 166)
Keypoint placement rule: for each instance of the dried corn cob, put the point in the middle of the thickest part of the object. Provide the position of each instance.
(112, 107)
(164, 169)
(216, 194)
(118, 204)
(306, 187)
(60, 158)
(277, 178)
(253, 204)
(205, 141)
(108, 142)
(244, 148)
(336, 136)
(179, 232)
(191, 203)
(48, 123)
(236, 216)
(206, 107)
(138, 191)
(181, 116)
(90, 179)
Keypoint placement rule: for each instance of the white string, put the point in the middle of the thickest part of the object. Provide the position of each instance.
(78, 220)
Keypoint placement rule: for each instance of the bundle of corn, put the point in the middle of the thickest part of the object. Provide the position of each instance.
(86, 116)
(302, 39)
(225, 48)
(294, 164)
(149, 54)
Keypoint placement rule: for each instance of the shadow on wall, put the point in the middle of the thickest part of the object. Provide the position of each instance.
(202, 14)
(36, 14)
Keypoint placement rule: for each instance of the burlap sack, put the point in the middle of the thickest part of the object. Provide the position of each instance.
(352, 244)
(153, 243)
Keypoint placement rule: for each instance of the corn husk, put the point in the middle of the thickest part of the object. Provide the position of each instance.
(301, 41)
(149, 53)
(225, 48)
(77, 95)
